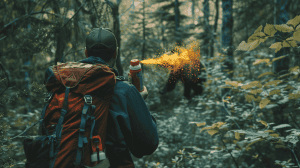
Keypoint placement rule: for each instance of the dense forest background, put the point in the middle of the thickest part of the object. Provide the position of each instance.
(246, 117)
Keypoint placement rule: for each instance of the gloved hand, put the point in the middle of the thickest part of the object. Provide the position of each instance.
(144, 93)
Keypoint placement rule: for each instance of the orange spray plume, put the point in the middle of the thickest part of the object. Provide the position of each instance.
(176, 60)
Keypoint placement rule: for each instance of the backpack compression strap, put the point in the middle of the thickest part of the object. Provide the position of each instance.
(87, 112)
(82, 139)
(42, 124)
(58, 129)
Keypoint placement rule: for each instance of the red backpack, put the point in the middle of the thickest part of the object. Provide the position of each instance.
(74, 120)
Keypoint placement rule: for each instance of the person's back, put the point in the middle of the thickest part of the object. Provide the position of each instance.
(130, 125)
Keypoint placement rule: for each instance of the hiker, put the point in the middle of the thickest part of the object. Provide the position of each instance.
(192, 76)
(130, 126)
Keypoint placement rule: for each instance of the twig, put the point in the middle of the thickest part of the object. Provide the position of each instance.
(230, 153)
(293, 119)
(227, 110)
(19, 135)
(34, 13)
(74, 14)
(95, 10)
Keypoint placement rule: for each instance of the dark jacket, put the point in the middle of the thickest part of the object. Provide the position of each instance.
(130, 124)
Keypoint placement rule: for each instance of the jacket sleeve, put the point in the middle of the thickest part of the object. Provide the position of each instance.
(143, 139)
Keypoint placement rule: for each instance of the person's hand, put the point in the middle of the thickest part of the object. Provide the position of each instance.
(144, 93)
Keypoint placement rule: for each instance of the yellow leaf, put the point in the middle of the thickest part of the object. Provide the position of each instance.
(258, 29)
(249, 98)
(270, 30)
(243, 46)
(268, 131)
(278, 48)
(232, 83)
(252, 84)
(255, 91)
(294, 21)
(218, 124)
(280, 146)
(205, 128)
(294, 69)
(253, 44)
(284, 28)
(263, 103)
(263, 39)
(212, 132)
(200, 124)
(275, 59)
(255, 142)
(69, 44)
(275, 45)
(274, 82)
(255, 36)
(265, 73)
(248, 148)
(291, 43)
(294, 96)
(276, 91)
(263, 122)
(237, 136)
(296, 35)
(255, 156)
(289, 87)
(258, 61)
(38, 8)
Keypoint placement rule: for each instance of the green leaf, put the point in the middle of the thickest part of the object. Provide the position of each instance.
(270, 30)
(294, 21)
(284, 28)
(281, 126)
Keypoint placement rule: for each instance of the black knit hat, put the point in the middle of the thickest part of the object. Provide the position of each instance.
(101, 36)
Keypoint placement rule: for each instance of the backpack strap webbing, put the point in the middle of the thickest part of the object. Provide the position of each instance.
(42, 123)
(82, 139)
(58, 128)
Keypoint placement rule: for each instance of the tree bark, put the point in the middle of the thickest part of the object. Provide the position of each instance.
(115, 12)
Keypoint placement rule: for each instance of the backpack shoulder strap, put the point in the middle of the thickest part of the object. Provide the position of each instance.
(121, 78)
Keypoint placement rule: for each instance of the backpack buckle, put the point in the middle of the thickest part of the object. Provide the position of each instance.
(96, 143)
(88, 99)
(48, 96)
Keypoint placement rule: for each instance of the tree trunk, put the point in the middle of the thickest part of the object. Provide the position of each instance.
(144, 39)
(281, 17)
(205, 46)
(177, 23)
(215, 29)
(115, 12)
(227, 39)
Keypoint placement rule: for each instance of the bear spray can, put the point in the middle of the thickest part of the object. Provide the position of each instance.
(135, 75)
